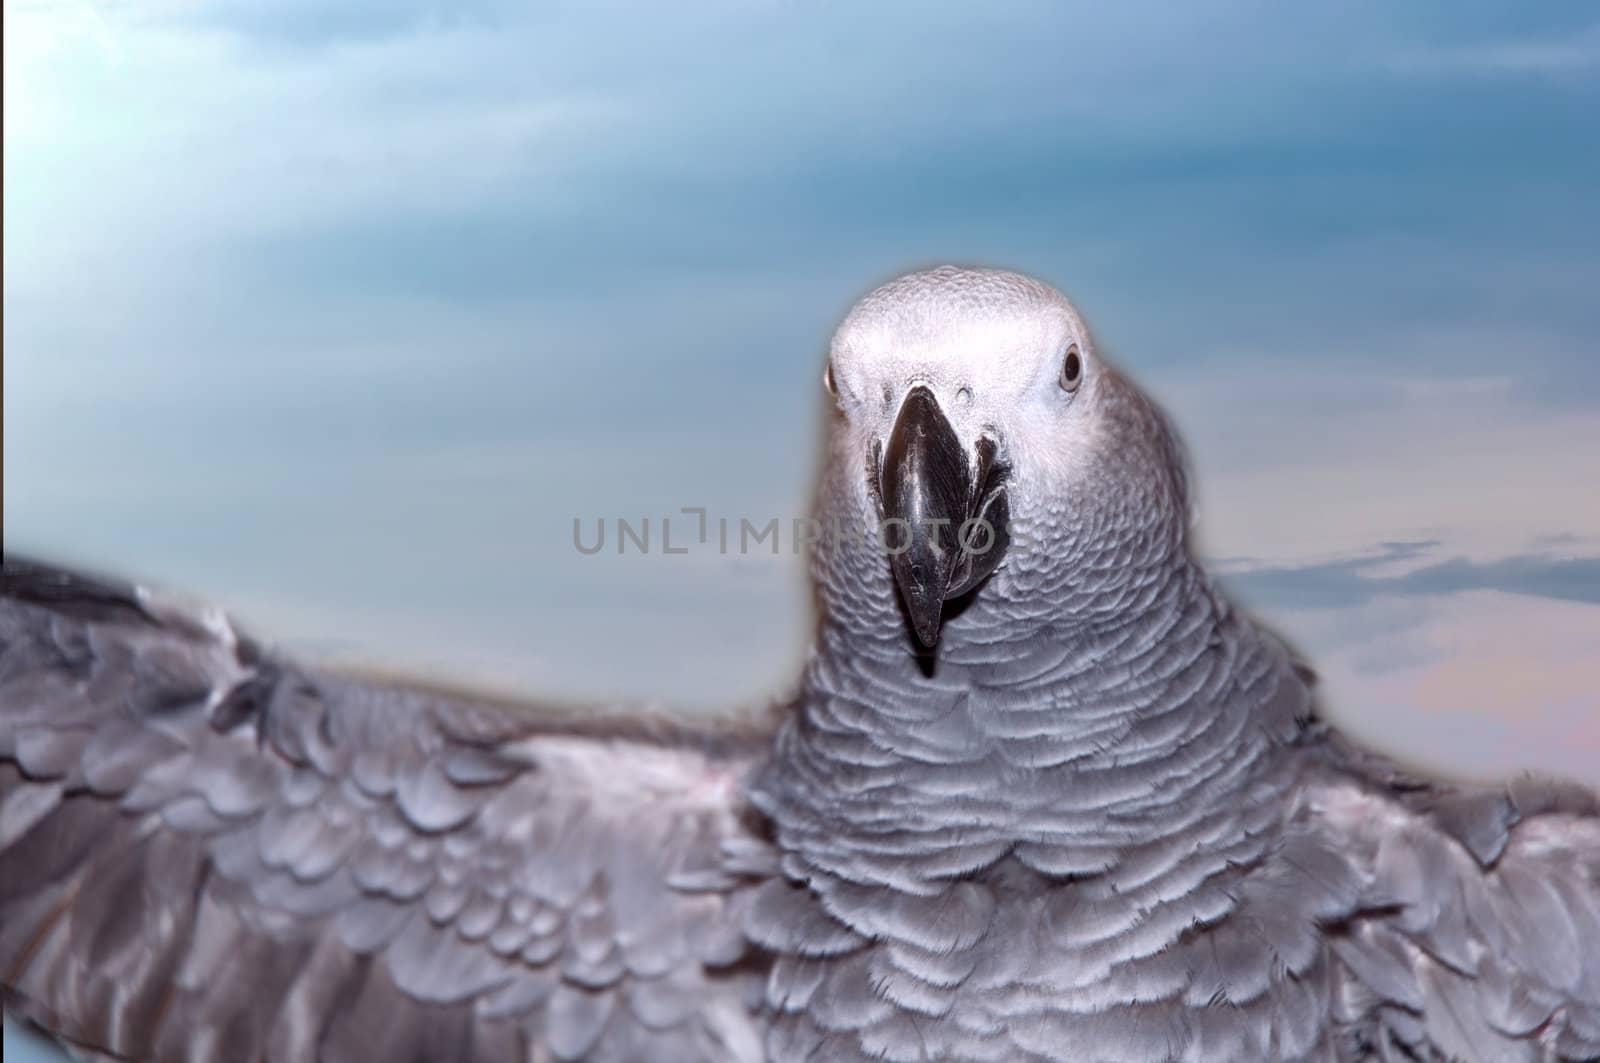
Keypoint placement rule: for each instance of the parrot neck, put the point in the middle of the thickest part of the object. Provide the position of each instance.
(1113, 729)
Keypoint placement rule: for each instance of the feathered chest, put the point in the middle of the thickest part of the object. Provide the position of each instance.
(1204, 945)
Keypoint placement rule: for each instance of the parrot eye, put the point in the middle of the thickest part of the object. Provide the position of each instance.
(1072, 370)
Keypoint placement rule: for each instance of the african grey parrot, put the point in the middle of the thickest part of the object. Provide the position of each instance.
(1042, 794)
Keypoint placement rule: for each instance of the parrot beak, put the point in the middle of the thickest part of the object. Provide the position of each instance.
(945, 512)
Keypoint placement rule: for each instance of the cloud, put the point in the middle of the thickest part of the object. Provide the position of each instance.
(1569, 54)
(310, 24)
(1354, 581)
(1479, 683)
(1467, 667)
(1477, 666)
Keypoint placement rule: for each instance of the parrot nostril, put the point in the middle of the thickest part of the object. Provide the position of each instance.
(964, 396)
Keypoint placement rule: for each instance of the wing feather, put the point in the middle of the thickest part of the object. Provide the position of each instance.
(1477, 936)
(207, 853)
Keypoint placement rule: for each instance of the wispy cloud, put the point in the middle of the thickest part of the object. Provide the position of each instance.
(1400, 570)
(1576, 53)
(1475, 667)
(1480, 683)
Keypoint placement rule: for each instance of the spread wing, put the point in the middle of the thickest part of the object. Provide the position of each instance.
(1478, 937)
(209, 854)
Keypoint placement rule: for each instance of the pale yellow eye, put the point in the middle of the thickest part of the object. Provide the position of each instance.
(1072, 369)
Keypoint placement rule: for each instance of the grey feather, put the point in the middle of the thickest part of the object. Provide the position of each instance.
(275, 880)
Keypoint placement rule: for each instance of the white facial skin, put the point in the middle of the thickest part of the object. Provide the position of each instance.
(1092, 465)
(992, 346)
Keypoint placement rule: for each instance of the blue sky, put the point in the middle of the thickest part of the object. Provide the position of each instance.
(339, 316)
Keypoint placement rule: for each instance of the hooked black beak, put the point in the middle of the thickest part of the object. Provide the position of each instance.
(945, 514)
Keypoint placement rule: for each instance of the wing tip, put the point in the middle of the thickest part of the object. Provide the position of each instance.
(55, 586)
(95, 597)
